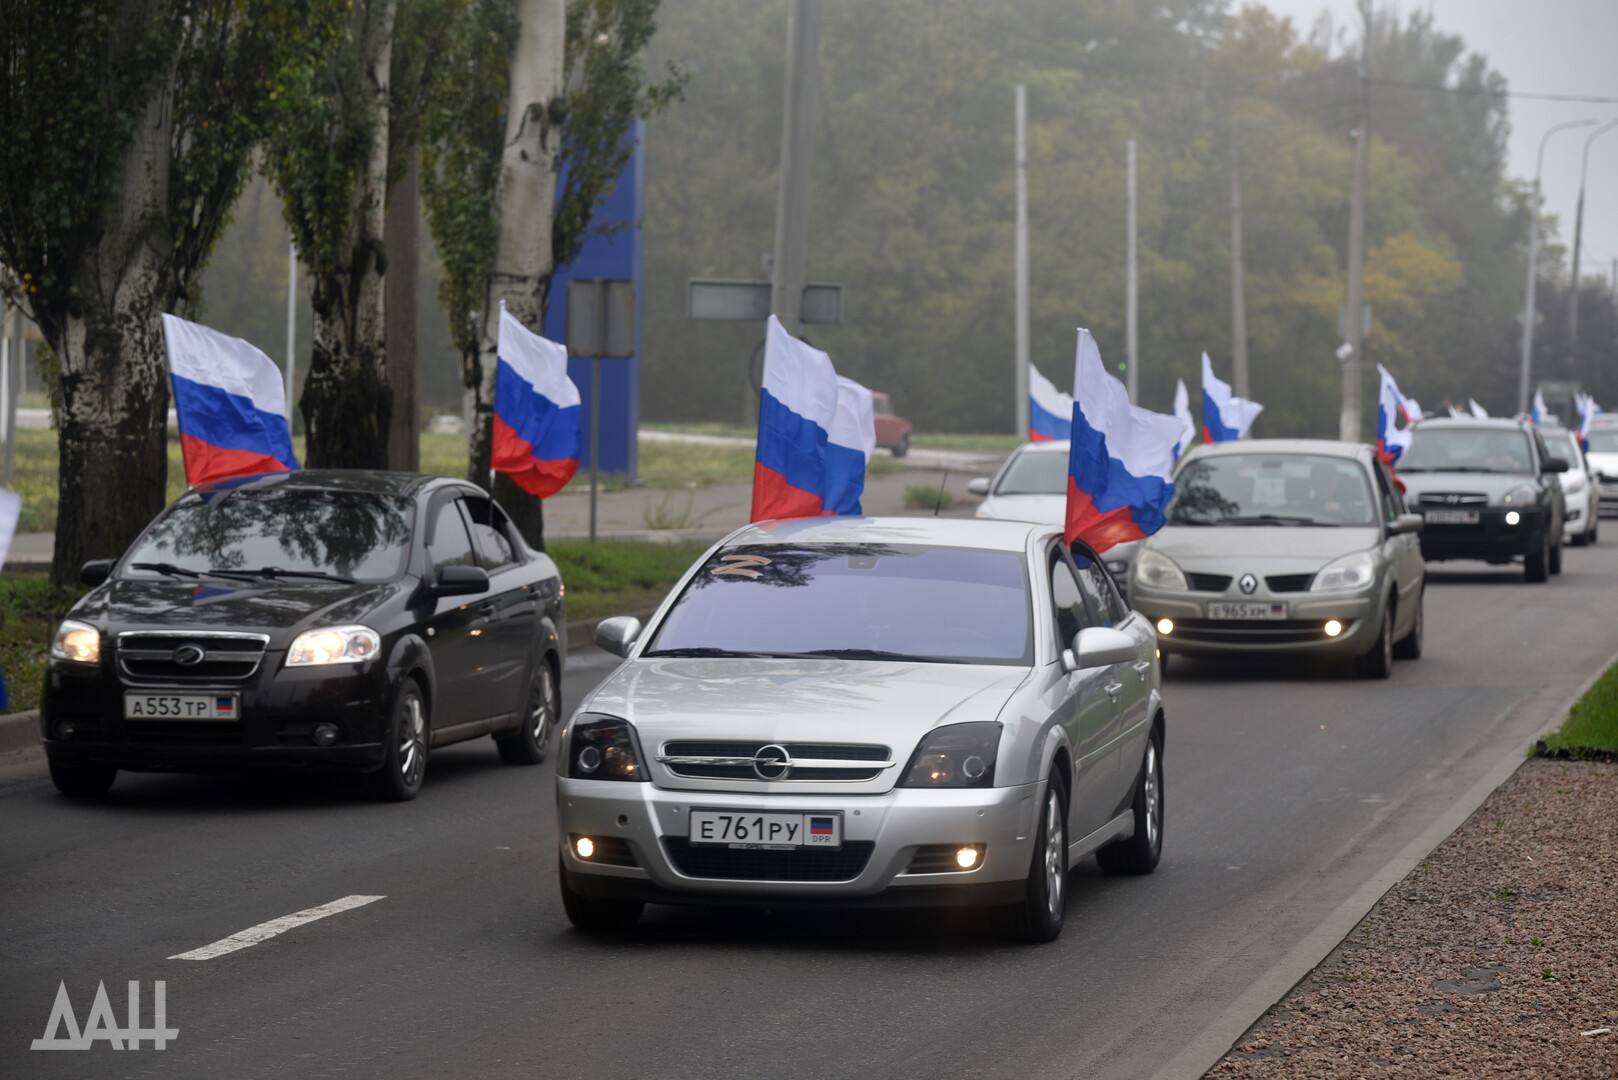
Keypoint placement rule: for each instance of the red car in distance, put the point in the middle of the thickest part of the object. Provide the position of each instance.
(892, 432)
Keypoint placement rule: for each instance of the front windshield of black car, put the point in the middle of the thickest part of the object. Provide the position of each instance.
(1466, 449)
(1604, 441)
(854, 601)
(358, 535)
(1560, 444)
(1035, 472)
(1272, 489)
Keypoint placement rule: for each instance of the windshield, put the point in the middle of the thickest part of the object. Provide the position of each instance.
(1466, 449)
(1603, 441)
(1271, 489)
(1561, 445)
(1035, 472)
(855, 601)
(307, 532)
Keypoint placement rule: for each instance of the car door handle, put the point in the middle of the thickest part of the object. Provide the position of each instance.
(1113, 689)
(1142, 667)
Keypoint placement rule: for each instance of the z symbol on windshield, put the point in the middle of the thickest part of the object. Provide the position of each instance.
(741, 565)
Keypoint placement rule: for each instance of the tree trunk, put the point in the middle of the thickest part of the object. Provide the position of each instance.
(401, 238)
(111, 359)
(345, 395)
(524, 204)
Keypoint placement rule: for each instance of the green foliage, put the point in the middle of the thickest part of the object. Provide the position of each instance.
(30, 608)
(927, 497)
(1592, 723)
(615, 578)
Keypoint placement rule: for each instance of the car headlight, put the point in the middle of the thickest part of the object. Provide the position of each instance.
(1519, 496)
(333, 645)
(603, 748)
(956, 756)
(77, 641)
(1156, 570)
(1353, 571)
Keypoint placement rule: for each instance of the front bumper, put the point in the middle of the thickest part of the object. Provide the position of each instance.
(82, 719)
(1583, 511)
(882, 834)
(1491, 539)
(1302, 631)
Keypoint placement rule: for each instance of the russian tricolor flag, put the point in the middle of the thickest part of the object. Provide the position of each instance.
(1392, 406)
(1224, 415)
(1050, 411)
(1588, 411)
(1536, 409)
(1120, 461)
(230, 402)
(537, 432)
(849, 446)
(1182, 413)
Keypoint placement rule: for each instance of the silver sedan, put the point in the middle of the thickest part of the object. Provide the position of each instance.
(898, 712)
(1285, 546)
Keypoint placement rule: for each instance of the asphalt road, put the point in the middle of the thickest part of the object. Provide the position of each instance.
(1286, 789)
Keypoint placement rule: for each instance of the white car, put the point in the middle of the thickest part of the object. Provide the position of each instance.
(1032, 486)
(1603, 460)
(1579, 488)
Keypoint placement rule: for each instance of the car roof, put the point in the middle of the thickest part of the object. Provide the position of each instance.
(1322, 447)
(1494, 423)
(931, 531)
(1044, 446)
(372, 481)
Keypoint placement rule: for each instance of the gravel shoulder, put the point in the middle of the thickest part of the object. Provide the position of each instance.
(1497, 957)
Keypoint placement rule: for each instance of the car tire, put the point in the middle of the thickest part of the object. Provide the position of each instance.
(1536, 567)
(1140, 853)
(594, 915)
(404, 763)
(1409, 646)
(1595, 527)
(1556, 558)
(83, 781)
(1039, 917)
(1378, 663)
(902, 447)
(531, 742)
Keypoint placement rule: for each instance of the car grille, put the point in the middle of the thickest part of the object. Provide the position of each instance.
(225, 657)
(1454, 498)
(1250, 632)
(1280, 583)
(803, 864)
(734, 760)
(184, 732)
(1208, 582)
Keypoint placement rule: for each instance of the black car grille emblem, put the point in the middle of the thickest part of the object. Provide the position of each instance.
(1452, 499)
(189, 655)
(772, 762)
(1248, 583)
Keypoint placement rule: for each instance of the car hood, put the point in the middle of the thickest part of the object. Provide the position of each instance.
(846, 701)
(1260, 547)
(1042, 509)
(1606, 464)
(1494, 485)
(277, 608)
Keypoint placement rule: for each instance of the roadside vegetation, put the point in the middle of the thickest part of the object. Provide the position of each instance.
(30, 608)
(1591, 725)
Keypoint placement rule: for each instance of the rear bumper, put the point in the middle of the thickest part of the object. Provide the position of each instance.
(1491, 539)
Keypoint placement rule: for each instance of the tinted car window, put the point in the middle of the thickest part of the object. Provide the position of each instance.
(450, 545)
(1272, 489)
(488, 532)
(359, 535)
(951, 605)
(1465, 449)
(1560, 444)
(1100, 590)
(1035, 472)
(1068, 599)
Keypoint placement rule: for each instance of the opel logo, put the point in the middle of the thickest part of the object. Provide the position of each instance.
(772, 762)
(1248, 583)
(189, 655)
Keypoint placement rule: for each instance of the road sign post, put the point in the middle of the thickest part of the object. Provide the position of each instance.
(600, 324)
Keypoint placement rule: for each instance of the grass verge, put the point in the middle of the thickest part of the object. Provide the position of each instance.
(927, 497)
(1591, 725)
(611, 578)
(30, 608)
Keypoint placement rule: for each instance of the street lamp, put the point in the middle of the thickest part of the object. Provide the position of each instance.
(1578, 234)
(1533, 257)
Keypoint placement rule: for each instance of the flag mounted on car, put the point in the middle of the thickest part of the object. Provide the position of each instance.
(1393, 409)
(1478, 411)
(1537, 410)
(1050, 411)
(1588, 411)
(1120, 459)
(1182, 413)
(1224, 415)
(849, 446)
(537, 433)
(230, 402)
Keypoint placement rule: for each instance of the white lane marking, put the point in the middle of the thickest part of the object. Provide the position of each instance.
(266, 930)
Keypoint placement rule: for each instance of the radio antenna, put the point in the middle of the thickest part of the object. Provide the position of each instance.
(939, 505)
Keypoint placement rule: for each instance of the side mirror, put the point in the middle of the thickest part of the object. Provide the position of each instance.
(1405, 523)
(978, 485)
(461, 581)
(1554, 465)
(95, 571)
(1099, 646)
(618, 634)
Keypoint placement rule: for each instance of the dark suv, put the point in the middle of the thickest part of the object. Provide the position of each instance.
(1488, 490)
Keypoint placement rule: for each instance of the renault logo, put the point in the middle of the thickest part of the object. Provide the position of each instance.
(1248, 583)
(189, 655)
(772, 762)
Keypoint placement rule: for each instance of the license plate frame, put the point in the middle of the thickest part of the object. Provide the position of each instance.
(1246, 610)
(765, 830)
(180, 705)
(1451, 517)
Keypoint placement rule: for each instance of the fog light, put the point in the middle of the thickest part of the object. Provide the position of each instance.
(1165, 626)
(585, 846)
(1512, 517)
(324, 734)
(66, 730)
(966, 858)
(1333, 628)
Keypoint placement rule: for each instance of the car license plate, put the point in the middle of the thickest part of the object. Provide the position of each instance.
(1451, 517)
(138, 706)
(748, 829)
(1248, 610)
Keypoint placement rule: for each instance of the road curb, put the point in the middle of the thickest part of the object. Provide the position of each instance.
(19, 730)
(1209, 1047)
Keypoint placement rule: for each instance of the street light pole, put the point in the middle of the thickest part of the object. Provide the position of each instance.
(1020, 316)
(1352, 351)
(1132, 290)
(1578, 235)
(797, 142)
(1533, 257)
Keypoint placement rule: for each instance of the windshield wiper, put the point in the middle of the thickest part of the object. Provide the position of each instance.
(1460, 468)
(1275, 519)
(170, 570)
(706, 650)
(273, 572)
(861, 654)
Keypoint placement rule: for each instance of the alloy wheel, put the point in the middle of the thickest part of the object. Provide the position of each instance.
(1154, 802)
(412, 742)
(1055, 852)
(541, 718)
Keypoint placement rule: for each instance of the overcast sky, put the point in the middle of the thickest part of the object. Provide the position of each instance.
(1542, 47)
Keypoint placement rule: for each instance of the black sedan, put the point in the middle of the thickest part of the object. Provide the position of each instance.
(351, 620)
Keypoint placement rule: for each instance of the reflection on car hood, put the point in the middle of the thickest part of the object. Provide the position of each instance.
(1494, 485)
(1294, 548)
(888, 702)
(1044, 509)
(264, 607)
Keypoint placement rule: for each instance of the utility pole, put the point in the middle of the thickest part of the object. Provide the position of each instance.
(1348, 427)
(1238, 295)
(797, 143)
(1020, 378)
(400, 237)
(1132, 291)
(1523, 377)
(1578, 235)
(292, 327)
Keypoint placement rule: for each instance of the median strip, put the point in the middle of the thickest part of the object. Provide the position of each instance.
(266, 930)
